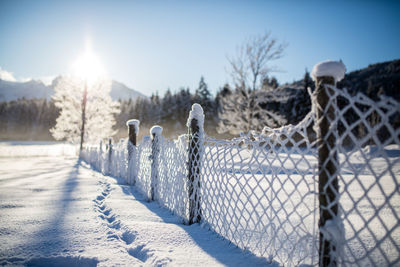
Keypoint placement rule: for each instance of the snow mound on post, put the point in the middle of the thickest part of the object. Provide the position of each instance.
(335, 69)
(135, 123)
(156, 130)
(198, 114)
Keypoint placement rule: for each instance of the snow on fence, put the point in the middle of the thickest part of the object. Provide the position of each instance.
(324, 192)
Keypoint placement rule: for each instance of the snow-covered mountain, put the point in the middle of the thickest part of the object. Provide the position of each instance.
(121, 91)
(32, 89)
(36, 89)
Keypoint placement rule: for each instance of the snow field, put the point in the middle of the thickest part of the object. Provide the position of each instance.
(30, 149)
(47, 212)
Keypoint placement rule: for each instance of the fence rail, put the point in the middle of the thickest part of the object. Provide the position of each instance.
(324, 192)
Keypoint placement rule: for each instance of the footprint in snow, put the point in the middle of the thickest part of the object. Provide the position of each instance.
(128, 237)
(107, 211)
(140, 252)
(115, 225)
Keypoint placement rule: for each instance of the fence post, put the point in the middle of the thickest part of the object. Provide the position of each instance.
(195, 126)
(155, 133)
(109, 158)
(325, 75)
(133, 131)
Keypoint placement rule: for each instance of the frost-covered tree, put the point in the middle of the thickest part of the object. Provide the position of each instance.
(86, 110)
(235, 116)
(252, 63)
(240, 111)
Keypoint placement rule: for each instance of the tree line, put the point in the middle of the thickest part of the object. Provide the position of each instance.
(32, 119)
(247, 104)
(27, 119)
(169, 111)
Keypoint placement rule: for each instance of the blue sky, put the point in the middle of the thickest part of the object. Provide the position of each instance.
(153, 45)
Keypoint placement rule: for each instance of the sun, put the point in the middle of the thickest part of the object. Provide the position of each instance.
(88, 66)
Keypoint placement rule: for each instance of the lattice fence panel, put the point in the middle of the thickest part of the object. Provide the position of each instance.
(119, 159)
(94, 156)
(259, 192)
(143, 179)
(368, 141)
(172, 173)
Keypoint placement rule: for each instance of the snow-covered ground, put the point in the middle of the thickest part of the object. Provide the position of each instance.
(56, 211)
(36, 148)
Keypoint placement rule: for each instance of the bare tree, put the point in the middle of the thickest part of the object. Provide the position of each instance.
(252, 62)
(249, 68)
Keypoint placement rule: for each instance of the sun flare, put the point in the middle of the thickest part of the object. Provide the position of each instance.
(88, 66)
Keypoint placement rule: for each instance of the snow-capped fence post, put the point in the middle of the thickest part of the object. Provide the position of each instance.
(325, 75)
(195, 124)
(133, 131)
(155, 133)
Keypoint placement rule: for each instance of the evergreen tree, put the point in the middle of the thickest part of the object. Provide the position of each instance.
(307, 80)
(168, 107)
(183, 105)
(269, 84)
(203, 95)
(156, 108)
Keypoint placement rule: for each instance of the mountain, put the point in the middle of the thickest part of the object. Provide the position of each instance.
(121, 91)
(36, 89)
(16, 90)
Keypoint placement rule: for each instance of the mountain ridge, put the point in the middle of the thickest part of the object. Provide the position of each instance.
(35, 89)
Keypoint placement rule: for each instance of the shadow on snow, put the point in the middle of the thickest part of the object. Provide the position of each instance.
(52, 240)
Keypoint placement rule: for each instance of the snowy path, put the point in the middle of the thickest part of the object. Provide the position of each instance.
(58, 211)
